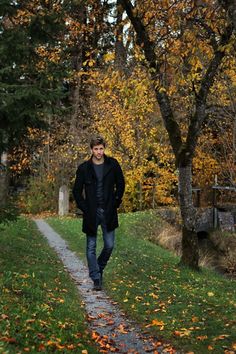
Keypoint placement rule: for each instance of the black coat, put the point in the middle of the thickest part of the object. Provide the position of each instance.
(84, 192)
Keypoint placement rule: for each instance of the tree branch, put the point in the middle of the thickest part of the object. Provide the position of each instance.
(230, 7)
(201, 97)
(148, 46)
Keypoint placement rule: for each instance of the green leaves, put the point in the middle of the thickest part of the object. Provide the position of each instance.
(26, 92)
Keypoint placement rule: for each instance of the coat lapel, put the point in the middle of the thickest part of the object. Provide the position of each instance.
(91, 171)
(107, 166)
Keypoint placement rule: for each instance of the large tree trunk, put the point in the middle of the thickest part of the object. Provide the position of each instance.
(190, 250)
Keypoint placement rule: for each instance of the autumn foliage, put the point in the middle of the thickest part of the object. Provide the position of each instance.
(97, 65)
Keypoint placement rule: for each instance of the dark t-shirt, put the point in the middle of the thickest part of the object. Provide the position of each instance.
(99, 174)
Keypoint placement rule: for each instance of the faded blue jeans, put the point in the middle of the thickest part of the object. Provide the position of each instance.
(97, 265)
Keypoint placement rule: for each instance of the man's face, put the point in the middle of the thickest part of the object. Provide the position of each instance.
(98, 152)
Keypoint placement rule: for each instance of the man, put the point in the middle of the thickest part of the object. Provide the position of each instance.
(98, 191)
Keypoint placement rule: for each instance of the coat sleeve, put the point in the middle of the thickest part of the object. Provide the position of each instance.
(120, 184)
(78, 190)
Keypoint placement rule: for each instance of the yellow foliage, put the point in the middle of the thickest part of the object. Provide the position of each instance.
(126, 115)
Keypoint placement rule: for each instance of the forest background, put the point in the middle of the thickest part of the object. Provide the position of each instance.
(71, 69)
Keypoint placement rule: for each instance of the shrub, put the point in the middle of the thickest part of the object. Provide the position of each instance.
(8, 213)
(39, 196)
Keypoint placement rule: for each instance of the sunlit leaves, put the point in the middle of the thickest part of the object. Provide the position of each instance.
(129, 102)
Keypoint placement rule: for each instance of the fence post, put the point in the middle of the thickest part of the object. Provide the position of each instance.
(63, 203)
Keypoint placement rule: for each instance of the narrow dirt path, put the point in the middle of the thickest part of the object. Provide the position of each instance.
(110, 327)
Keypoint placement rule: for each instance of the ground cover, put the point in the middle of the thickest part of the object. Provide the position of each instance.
(40, 310)
(194, 311)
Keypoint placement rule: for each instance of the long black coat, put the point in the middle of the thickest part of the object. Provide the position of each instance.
(84, 192)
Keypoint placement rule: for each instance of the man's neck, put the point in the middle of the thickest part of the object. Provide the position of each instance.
(96, 161)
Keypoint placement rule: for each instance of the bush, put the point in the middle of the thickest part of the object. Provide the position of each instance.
(8, 213)
(39, 196)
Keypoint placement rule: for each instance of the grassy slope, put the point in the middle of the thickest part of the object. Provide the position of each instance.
(39, 305)
(194, 311)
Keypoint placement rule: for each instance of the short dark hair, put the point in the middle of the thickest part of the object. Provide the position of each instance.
(97, 140)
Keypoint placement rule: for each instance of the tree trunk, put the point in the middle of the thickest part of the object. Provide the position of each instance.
(190, 250)
(3, 181)
(120, 51)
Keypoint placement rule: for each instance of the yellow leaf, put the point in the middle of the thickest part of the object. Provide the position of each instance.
(91, 62)
(183, 333)
(157, 323)
(109, 57)
(210, 294)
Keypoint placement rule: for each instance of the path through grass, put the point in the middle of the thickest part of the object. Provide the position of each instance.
(195, 311)
(40, 309)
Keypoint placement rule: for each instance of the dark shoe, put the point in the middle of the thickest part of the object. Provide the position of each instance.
(97, 285)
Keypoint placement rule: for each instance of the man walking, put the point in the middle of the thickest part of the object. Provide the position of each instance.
(98, 191)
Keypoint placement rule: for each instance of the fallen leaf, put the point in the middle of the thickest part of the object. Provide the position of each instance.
(210, 347)
(4, 317)
(222, 336)
(210, 293)
(121, 329)
(156, 323)
(202, 337)
(41, 348)
(9, 340)
(70, 346)
(30, 320)
(183, 333)
(195, 319)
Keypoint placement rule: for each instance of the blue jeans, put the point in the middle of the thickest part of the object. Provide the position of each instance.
(97, 265)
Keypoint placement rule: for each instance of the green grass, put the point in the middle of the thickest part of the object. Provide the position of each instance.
(39, 305)
(195, 311)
